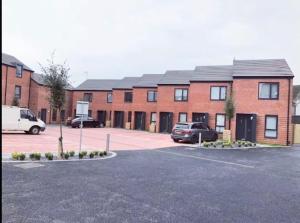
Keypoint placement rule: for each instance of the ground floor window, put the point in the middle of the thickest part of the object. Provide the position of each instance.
(220, 122)
(90, 113)
(182, 117)
(153, 117)
(271, 126)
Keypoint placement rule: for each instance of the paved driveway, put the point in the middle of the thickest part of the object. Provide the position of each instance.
(165, 185)
(93, 139)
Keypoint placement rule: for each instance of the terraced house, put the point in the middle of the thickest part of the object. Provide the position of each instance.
(262, 91)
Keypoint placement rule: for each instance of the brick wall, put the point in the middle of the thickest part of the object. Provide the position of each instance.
(120, 105)
(11, 82)
(245, 93)
(99, 102)
(141, 104)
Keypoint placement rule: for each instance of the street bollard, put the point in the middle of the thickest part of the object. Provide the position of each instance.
(199, 139)
(107, 142)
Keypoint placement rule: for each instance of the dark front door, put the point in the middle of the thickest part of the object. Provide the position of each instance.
(101, 117)
(140, 120)
(165, 122)
(246, 127)
(119, 119)
(200, 117)
(44, 114)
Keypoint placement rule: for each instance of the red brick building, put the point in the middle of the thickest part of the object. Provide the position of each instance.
(262, 91)
(15, 81)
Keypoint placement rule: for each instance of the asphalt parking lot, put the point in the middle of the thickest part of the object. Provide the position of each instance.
(164, 185)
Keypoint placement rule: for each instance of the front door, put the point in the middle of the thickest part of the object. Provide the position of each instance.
(44, 114)
(200, 117)
(101, 118)
(246, 127)
(139, 120)
(165, 122)
(119, 119)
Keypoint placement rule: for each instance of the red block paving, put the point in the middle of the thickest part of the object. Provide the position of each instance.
(93, 139)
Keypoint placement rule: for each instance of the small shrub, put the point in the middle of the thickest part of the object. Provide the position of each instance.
(66, 155)
(81, 155)
(49, 156)
(22, 156)
(105, 153)
(15, 155)
(37, 156)
(92, 154)
(96, 153)
(254, 144)
(31, 156)
(239, 145)
(101, 154)
(72, 153)
(84, 153)
(223, 146)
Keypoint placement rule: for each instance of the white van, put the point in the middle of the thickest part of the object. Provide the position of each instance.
(21, 119)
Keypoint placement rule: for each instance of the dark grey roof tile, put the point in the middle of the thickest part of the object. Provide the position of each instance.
(13, 61)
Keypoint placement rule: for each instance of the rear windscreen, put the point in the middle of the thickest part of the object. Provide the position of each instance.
(181, 126)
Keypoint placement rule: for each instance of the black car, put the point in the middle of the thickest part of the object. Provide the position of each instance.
(189, 132)
(87, 122)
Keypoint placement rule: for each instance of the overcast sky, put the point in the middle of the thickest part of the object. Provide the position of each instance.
(113, 39)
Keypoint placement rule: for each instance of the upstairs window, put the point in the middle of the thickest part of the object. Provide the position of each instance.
(268, 91)
(181, 94)
(271, 126)
(218, 93)
(88, 97)
(220, 123)
(19, 70)
(109, 97)
(128, 97)
(152, 96)
(18, 90)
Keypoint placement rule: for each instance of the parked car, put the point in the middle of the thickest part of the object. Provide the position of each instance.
(189, 132)
(21, 119)
(87, 122)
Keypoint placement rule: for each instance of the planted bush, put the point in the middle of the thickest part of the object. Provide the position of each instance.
(96, 153)
(72, 153)
(49, 156)
(84, 153)
(81, 155)
(35, 156)
(18, 156)
(104, 153)
(101, 153)
(66, 155)
(92, 154)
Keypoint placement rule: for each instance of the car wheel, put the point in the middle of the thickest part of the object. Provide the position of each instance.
(176, 140)
(35, 130)
(194, 139)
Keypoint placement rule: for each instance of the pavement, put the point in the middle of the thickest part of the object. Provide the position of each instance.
(176, 184)
(92, 139)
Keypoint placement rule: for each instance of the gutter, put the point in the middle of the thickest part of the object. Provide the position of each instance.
(29, 88)
(288, 113)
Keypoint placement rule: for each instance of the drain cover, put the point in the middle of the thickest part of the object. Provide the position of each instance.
(28, 165)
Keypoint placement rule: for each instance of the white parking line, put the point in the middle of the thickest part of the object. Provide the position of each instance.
(203, 158)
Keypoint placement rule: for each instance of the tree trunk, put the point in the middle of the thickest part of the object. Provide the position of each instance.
(60, 139)
(229, 123)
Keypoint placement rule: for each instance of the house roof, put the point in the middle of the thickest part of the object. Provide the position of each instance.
(296, 92)
(39, 78)
(261, 68)
(13, 61)
(176, 77)
(97, 84)
(212, 73)
(126, 83)
(148, 80)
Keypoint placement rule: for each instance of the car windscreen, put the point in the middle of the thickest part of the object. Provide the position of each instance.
(181, 126)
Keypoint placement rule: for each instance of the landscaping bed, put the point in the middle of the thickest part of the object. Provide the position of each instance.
(69, 155)
(220, 144)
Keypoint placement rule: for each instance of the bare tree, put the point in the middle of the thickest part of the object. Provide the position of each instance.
(56, 77)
